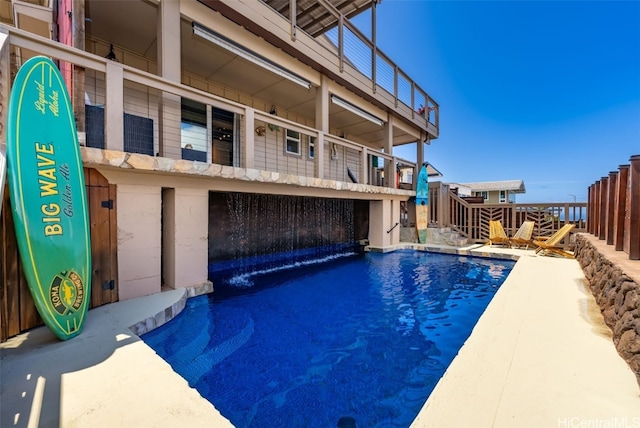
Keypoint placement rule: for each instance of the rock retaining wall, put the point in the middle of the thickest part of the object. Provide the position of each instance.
(619, 299)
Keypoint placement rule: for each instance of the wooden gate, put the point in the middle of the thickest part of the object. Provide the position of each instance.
(17, 310)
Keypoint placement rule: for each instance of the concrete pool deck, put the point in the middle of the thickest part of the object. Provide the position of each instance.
(540, 356)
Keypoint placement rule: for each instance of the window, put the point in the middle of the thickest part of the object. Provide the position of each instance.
(312, 147)
(503, 196)
(222, 136)
(292, 142)
(483, 194)
(193, 126)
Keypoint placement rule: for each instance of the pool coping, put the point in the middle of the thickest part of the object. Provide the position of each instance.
(540, 355)
(48, 381)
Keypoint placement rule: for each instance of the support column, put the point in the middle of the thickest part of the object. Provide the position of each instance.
(185, 219)
(319, 153)
(322, 124)
(248, 151)
(79, 72)
(169, 40)
(364, 169)
(139, 243)
(420, 152)
(383, 215)
(389, 167)
(322, 105)
(114, 102)
(169, 67)
(419, 160)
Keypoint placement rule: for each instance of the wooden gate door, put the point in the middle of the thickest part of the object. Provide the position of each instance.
(17, 310)
(101, 197)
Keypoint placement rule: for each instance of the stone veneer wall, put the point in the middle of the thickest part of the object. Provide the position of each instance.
(619, 299)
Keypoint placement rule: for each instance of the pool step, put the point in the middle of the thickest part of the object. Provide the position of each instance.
(445, 236)
(435, 235)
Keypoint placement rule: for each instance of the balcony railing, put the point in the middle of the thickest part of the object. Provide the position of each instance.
(130, 110)
(472, 220)
(614, 208)
(362, 54)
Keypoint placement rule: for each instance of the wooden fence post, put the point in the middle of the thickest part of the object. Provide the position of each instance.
(590, 203)
(619, 209)
(611, 203)
(604, 187)
(633, 208)
(596, 208)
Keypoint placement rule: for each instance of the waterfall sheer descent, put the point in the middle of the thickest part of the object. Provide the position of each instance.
(249, 232)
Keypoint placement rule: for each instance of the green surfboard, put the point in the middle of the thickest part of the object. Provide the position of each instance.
(422, 204)
(48, 197)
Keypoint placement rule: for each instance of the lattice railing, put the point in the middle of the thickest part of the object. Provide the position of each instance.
(472, 220)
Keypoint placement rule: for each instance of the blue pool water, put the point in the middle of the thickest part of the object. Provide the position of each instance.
(364, 337)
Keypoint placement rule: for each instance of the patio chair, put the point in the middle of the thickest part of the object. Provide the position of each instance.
(549, 245)
(522, 237)
(497, 234)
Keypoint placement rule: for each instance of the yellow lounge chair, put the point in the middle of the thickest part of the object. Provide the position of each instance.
(547, 246)
(497, 234)
(522, 237)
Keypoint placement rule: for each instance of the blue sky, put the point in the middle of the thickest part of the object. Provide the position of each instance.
(544, 91)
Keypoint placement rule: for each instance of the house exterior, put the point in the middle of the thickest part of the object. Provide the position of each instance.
(176, 99)
(492, 192)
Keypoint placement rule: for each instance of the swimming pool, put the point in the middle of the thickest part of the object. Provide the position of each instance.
(363, 338)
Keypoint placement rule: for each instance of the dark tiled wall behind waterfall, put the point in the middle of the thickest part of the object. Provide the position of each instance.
(247, 225)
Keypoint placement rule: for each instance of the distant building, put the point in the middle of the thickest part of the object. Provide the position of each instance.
(492, 192)
(406, 175)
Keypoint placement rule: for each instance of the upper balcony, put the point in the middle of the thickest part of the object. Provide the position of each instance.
(319, 41)
(237, 83)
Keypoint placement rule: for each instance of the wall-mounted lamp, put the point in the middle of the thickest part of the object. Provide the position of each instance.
(274, 110)
(111, 55)
(261, 131)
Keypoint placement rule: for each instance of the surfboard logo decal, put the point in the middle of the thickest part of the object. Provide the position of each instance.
(66, 292)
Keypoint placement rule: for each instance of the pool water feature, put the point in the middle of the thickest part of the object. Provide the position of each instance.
(362, 339)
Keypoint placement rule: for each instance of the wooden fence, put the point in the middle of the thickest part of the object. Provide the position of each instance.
(471, 220)
(614, 208)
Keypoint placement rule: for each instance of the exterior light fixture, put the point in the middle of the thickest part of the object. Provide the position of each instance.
(111, 55)
(250, 56)
(356, 110)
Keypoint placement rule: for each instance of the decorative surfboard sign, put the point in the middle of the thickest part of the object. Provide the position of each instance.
(48, 196)
(422, 204)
